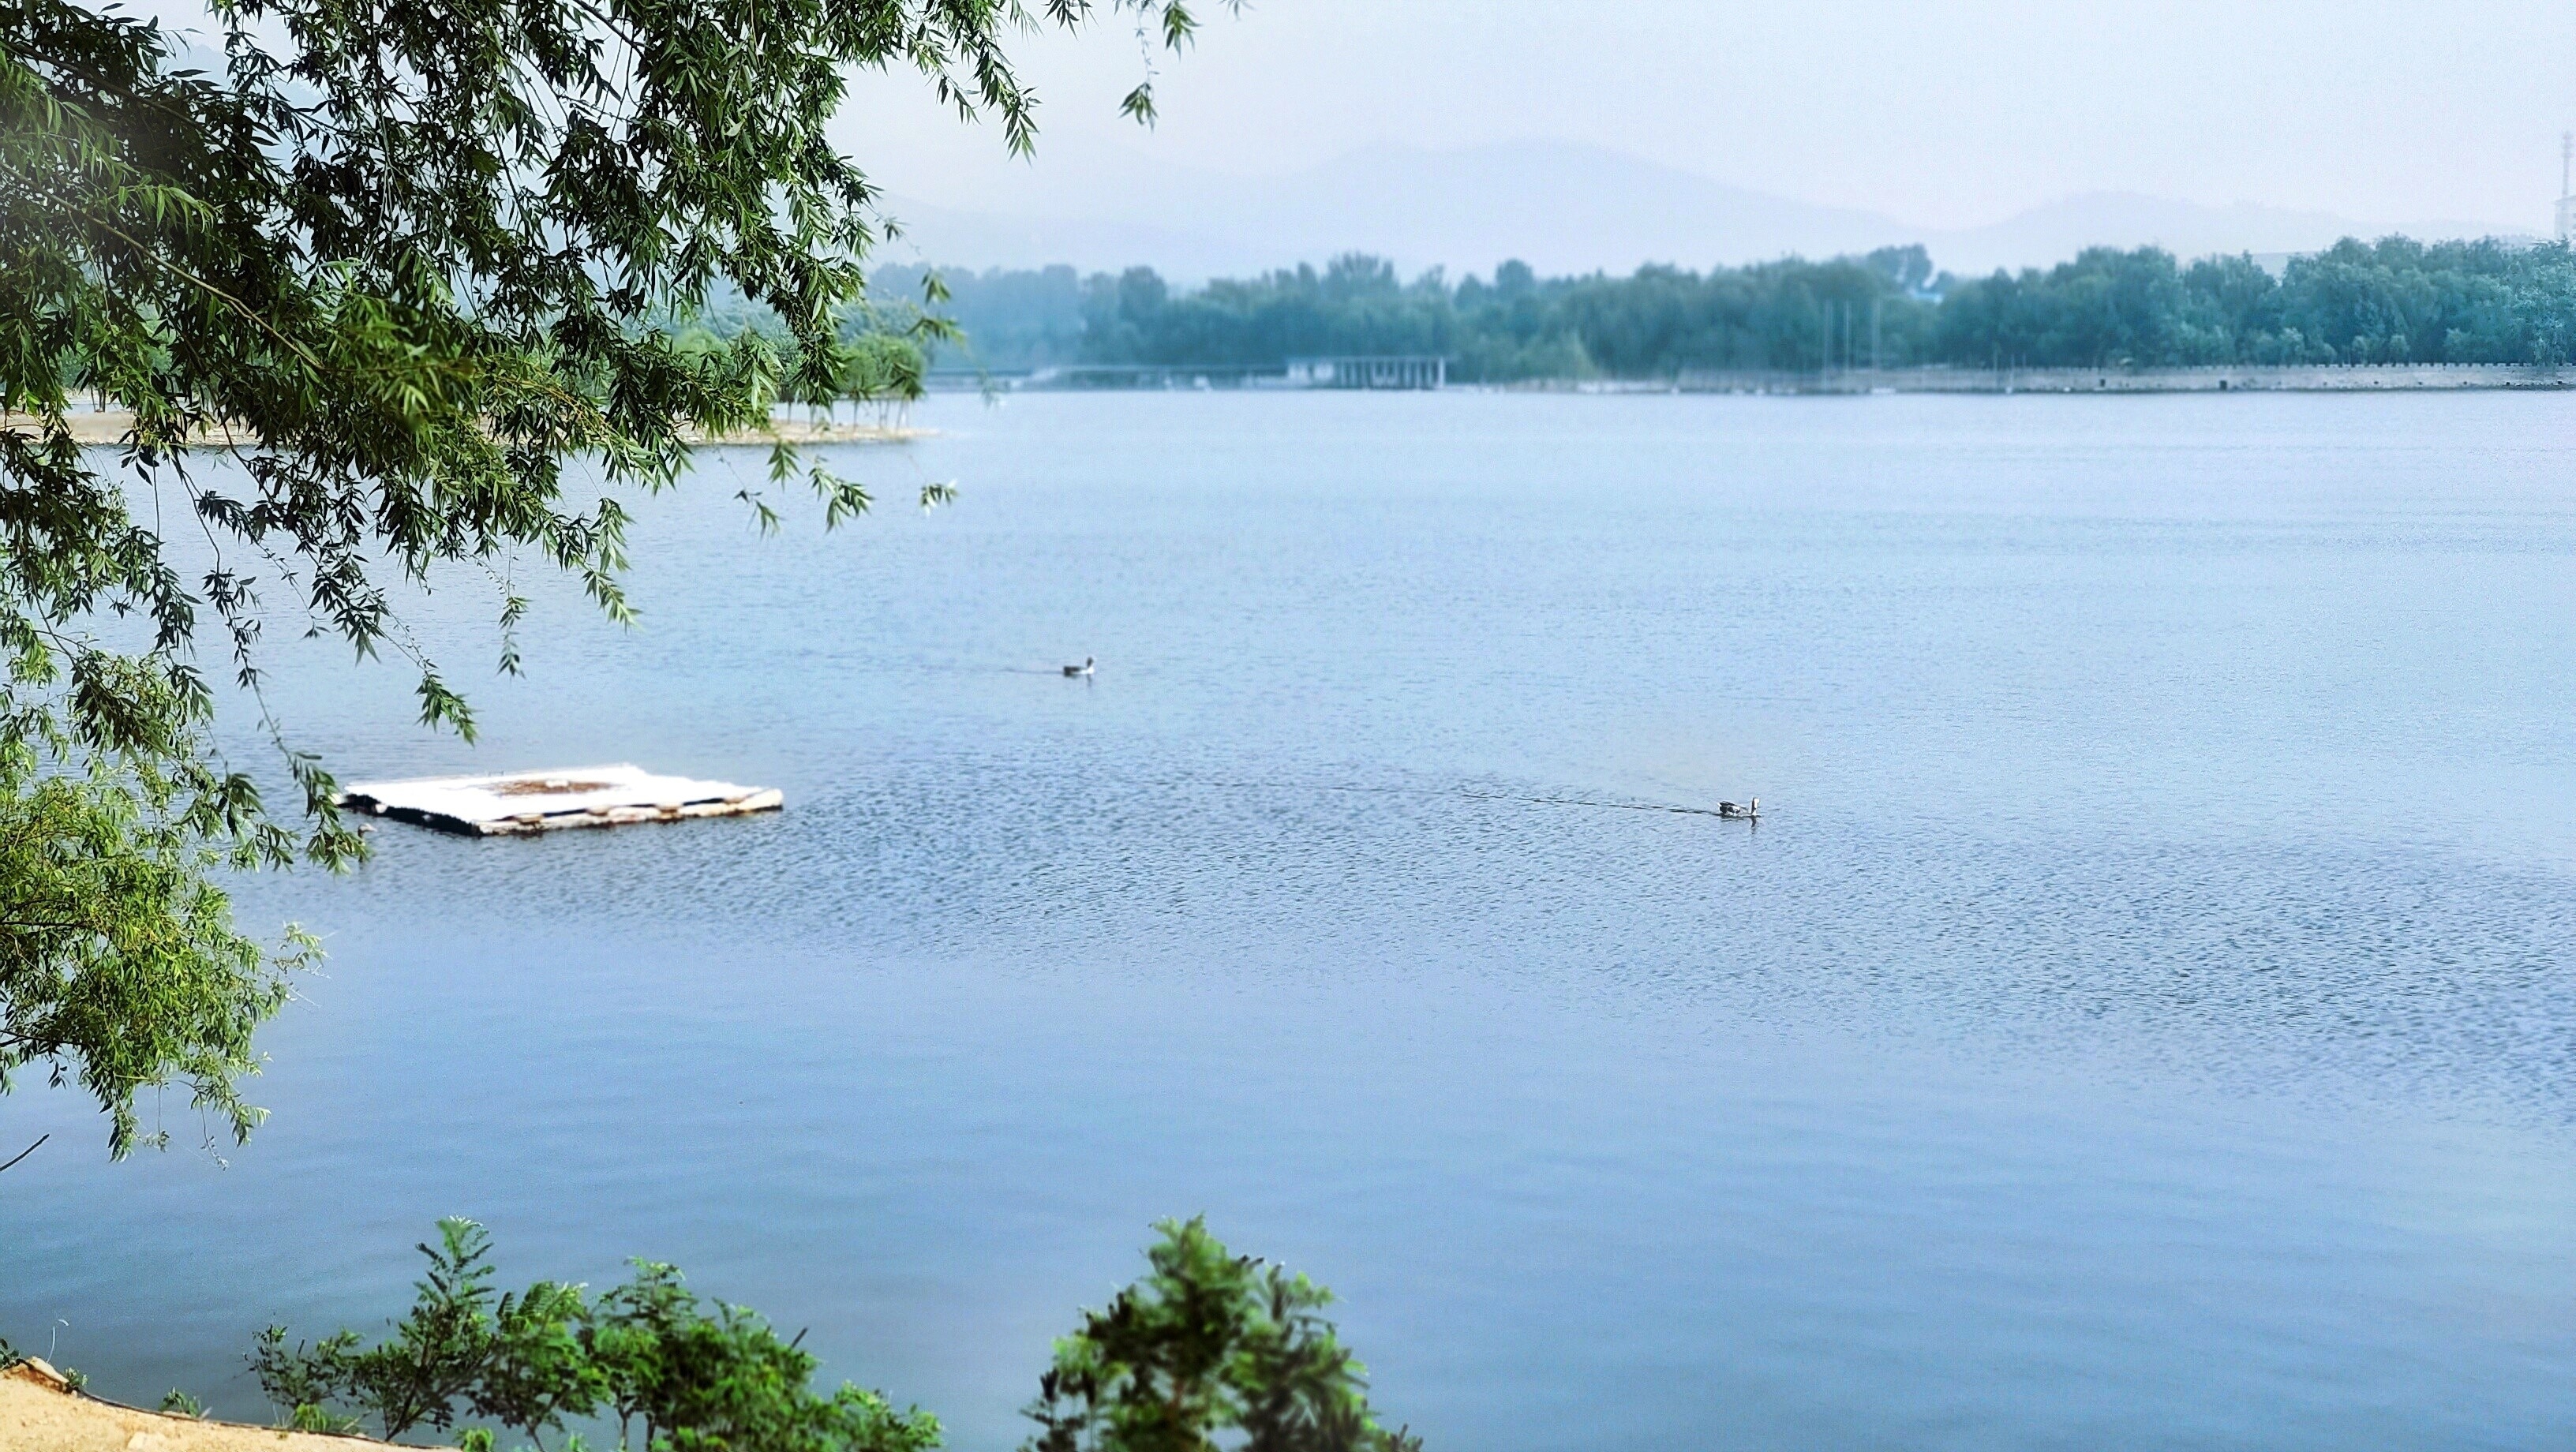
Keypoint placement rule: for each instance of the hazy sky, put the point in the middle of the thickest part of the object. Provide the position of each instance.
(1946, 113)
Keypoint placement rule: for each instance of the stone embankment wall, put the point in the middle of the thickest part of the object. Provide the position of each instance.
(2357, 378)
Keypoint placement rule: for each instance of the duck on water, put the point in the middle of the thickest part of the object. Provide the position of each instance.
(1746, 811)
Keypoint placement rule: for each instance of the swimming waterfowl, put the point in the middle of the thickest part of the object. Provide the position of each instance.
(1083, 669)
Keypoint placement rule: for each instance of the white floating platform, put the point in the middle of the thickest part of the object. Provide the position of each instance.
(545, 801)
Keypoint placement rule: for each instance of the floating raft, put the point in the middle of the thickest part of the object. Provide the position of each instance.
(547, 801)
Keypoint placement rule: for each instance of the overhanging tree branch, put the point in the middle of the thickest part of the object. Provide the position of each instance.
(425, 257)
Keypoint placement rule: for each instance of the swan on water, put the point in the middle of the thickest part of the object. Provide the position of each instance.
(1083, 669)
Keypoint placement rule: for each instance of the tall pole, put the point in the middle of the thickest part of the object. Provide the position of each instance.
(2566, 186)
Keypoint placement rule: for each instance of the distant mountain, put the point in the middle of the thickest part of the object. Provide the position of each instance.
(1558, 206)
(1562, 207)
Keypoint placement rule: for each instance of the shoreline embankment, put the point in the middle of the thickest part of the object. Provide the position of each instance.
(2302, 378)
(2317, 378)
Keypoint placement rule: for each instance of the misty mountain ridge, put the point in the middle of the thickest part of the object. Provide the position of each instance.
(1563, 207)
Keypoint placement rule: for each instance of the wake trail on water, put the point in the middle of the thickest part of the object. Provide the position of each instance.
(1455, 794)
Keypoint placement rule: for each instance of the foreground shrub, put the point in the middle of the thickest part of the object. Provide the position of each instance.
(1209, 1344)
(676, 1373)
(1210, 1350)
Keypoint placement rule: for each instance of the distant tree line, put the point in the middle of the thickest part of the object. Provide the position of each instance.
(2393, 301)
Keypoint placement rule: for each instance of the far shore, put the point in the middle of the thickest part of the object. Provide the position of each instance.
(112, 425)
(2110, 378)
(2313, 378)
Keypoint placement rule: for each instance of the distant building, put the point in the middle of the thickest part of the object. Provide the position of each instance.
(1380, 371)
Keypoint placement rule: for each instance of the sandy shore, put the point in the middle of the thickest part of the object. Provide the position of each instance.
(109, 426)
(38, 1415)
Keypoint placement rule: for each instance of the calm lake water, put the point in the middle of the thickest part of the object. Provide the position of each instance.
(2144, 1016)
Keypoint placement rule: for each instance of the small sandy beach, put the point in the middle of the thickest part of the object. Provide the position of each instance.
(37, 1414)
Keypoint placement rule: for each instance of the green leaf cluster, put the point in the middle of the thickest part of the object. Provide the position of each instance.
(1789, 314)
(2391, 301)
(177, 1403)
(1209, 1350)
(677, 1374)
(119, 964)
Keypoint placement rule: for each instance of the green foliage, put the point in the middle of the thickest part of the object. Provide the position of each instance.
(883, 367)
(693, 1380)
(179, 1404)
(1354, 305)
(1208, 1346)
(1662, 320)
(308, 1417)
(118, 959)
(426, 274)
(2394, 301)
(887, 370)
(1209, 1350)
(678, 1375)
(1002, 318)
(515, 1358)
